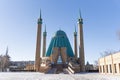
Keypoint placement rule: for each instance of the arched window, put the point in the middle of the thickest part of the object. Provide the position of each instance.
(59, 61)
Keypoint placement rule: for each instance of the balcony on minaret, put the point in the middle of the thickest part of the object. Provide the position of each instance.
(40, 21)
(44, 33)
(75, 33)
(80, 20)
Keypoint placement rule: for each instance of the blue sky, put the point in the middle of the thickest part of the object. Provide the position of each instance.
(18, 25)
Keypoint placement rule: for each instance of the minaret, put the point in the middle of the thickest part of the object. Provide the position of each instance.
(38, 44)
(81, 44)
(6, 54)
(44, 41)
(75, 43)
(6, 51)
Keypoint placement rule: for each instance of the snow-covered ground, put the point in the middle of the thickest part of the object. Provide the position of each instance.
(41, 76)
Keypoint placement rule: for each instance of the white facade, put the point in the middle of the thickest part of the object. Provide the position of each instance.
(110, 64)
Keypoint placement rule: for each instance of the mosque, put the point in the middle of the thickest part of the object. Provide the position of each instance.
(59, 56)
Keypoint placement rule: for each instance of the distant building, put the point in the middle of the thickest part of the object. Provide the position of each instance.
(29, 67)
(19, 65)
(110, 64)
(88, 67)
(91, 67)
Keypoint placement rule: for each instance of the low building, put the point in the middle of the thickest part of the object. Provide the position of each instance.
(110, 64)
(88, 67)
(30, 67)
(20, 65)
(91, 67)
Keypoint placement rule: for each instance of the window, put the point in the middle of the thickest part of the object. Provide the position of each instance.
(110, 69)
(115, 68)
(100, 69)
(59, 61)
(107, 68)
(119, 67)
(103, 69)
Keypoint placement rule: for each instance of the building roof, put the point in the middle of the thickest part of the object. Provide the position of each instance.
(60, 40)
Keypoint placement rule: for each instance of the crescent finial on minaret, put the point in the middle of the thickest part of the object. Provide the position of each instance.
(80, 20)
(45, 27)
(40, 18)
(80, 17)
(40, 14)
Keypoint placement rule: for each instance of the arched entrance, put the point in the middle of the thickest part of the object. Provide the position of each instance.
(59, 58)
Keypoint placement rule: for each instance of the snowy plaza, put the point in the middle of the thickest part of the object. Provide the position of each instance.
(42, 76)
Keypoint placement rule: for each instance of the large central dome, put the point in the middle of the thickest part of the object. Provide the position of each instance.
(60, 40)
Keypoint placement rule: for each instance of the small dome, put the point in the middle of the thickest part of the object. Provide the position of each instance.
(60, 40)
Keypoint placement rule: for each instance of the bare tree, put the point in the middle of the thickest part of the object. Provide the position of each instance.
(4, 61)
(1, 63)
(101, 54)
(107, 52)
(96, 62)
(95, 66)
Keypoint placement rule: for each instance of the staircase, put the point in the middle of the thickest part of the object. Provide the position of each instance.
(67, 71)
(51, 71)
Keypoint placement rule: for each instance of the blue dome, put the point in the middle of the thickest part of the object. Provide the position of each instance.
(60, 40)
(60, 33)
